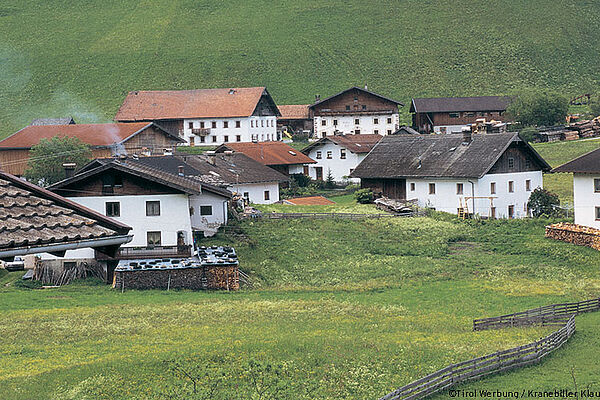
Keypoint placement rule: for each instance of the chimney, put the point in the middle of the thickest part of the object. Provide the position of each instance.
(180, 170)
(366, 87)
(69, 169)
(467, 135)
(317, 98)
(212, 157)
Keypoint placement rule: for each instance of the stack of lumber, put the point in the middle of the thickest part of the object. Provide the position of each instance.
(395, 206)
(570, 135)
(587, 128)
(576, 234)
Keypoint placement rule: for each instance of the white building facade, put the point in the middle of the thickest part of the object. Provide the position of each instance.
(218, 131)
(334, 158)
(586, 199)
(257, 193)
(378, 124)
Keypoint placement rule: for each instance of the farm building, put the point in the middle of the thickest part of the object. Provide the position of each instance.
(451, 114)
(355, 111)
(295, 119)
(338, 154)
(586, 187)
(277, 155)
(490, 175)
(106, 140)
(168, 212)
(206, 116)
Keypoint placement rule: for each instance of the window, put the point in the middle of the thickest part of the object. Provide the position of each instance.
(329, 154)
(335, 122)
(389, 120)
(113, 209)
(225, 124)
(389, 131)
(202, 125)
(226, 138)
(511, 186)
(214, 139)
(459, 188)
(511, 162)
(454, 115)
(493, 212)
(356, 121)
(412, 186)
(347, 108)
(191, 125)
(492, 187)
(205, 210)
(246, 195)
(364, 107)
(323, 122)
(318, 155)
(357, 131)
(528, 185)
(511, 211)
(267, 195)
(527, 163)
(251, 124)
(432, 188)
(202, 139)
(597, 185)
(214, 124)
(376, 131)
(153, 238)
(262, 123)
(375, 121)
(597, 213)
(238, 138)
(152, 208)
(469, 114)
(343, 154)
(238, 124)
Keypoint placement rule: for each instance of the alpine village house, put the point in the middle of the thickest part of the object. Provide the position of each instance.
(206, 116)
(491, 175)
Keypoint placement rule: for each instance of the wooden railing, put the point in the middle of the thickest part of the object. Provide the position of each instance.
(555, 314)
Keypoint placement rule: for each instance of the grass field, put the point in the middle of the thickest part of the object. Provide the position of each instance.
(341, 310)
(81, 58)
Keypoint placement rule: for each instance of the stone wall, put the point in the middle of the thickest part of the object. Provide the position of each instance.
(217, 277)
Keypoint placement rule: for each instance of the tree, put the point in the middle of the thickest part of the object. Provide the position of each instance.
(539, 109)
(528, 133)
(329, 181)
(543, 202)
(595, 106)
(46, 159)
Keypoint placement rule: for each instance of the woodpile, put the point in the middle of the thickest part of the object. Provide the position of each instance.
(570, 135)
(215, 277)
(52, 274)
(587, 128)
(576, 234)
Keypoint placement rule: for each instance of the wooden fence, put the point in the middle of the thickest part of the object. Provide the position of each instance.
(555, 314)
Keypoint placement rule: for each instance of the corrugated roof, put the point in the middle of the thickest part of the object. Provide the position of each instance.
(96, 135)
(457, 104)
(200, 103)
(363, 143)
(269, 153)
(294, 111)
(588, 163)
(34, 217)
(310, 201)
(439, 156)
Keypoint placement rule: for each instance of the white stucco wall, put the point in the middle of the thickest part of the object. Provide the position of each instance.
(346, 124)
(209, 224)
(446, 197)
(339, 167)
(174, 216)
(585, 200)
(449, 128)
(263, 129)
(256, 191)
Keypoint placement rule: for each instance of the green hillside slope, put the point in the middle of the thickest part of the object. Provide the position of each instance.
(81, 58)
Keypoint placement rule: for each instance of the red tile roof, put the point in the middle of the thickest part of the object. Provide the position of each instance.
(269, 153)
(96, 135)
(310, 201)
(294, 111)
(200, 103)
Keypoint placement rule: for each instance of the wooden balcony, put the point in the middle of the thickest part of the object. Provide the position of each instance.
(201, 131)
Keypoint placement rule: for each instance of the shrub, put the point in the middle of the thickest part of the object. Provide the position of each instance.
(528, 134)
(364, 196)
(329, 181)
(539, 108)
(352, 187)
(543, 203)
(301, 179)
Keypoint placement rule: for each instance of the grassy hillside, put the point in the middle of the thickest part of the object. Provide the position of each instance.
(81, 58)
(343, 310)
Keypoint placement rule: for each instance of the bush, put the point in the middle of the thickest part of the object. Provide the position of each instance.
(364, 196)
(352, 187)
(301, 180)
(543, 203)
(539, 109)
(528, 134)
(595, 107)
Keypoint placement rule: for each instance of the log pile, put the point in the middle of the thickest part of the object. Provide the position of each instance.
(570, 135)
(396, 206)
(576, 234)
(56, 275)
(217, 277)
(587, 128)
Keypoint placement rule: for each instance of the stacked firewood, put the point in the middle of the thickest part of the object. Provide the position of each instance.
(570, 135)
(576, 234)
(587, 128)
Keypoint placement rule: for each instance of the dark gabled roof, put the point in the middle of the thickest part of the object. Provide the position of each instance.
(457, 104)
(359, 144)
(268, 153)
(53, 121)
(357, 88)
(405, 130)
(35, 220)
(437, 156)
(228, 169)
(588, 163)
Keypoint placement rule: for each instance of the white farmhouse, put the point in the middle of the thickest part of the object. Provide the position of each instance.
(168, 213)
(206, 116)
(355, 111)
(586, 188)
(338, 154)
(490, 175)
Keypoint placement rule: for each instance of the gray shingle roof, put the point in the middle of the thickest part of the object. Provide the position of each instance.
(53, 121)
(437, 156)
(450, 104)
(586, 164)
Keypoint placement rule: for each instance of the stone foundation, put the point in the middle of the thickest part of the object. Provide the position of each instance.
(215, 277)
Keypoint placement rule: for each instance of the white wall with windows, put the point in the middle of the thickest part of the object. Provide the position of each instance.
(510, 191)
(335, 158)
(216, 131)
(173, 216)
(208, 212)
(441, 129)
(258, 193)
(586, 199)
(382, 124)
